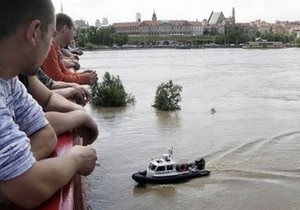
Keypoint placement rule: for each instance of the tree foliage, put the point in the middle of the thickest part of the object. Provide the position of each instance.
(167, 97)
(277, 37)
(111, 93)
(238, 35)
(100, 36)
(297, 42)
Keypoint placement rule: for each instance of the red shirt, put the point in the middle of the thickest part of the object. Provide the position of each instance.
(56, 70)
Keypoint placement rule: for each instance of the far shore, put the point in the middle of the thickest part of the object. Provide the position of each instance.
(182, 47)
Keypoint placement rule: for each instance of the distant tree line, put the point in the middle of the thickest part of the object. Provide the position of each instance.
(100, 37)
(233, 35)
(238, 35)
(93, 37)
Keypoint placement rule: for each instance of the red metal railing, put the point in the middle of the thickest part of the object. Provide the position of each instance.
(72, 195)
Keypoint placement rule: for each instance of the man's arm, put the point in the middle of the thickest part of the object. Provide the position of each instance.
(72, 94)
(48, 100)
(53, 85)
(80, 121)
(43, 142)
(85, 126)
(69, 63)
(24, 180)
(45, 177)
(56, 70)
(62, 84)
(59, 87)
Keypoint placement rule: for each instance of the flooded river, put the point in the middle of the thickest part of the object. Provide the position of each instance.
(251, 143)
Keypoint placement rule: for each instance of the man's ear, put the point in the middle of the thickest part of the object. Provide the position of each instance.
(65, 28)
(33, 31)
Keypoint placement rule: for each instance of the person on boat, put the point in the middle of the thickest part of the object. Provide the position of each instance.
(27, 176)
(54, 66)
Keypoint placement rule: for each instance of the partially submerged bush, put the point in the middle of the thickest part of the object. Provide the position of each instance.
(167, 97)
(111, 93)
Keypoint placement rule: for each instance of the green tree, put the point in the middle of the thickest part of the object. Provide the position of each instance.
(219, 39)
(111, 93)
(119, 39)
(237, 35)
(91, 34)
(100, 36)
(167, 97)
(244, 38)
(297, 42)
(82, 37)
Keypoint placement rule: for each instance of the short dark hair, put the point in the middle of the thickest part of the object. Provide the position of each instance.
(14, 13)
(62, 20)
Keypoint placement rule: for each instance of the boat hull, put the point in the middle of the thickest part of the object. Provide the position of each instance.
(141, 178)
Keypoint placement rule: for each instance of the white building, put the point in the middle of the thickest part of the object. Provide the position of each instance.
(138, 17)
(98, 23)
(104, 21)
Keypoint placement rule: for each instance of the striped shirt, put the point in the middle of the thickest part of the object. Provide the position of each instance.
(20, 117)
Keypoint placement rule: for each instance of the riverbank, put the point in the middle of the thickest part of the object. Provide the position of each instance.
(136, 47)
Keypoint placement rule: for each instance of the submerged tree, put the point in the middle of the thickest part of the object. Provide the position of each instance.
(111, 93)
(167, 97)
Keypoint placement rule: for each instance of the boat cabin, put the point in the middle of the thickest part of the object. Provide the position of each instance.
(162, 166)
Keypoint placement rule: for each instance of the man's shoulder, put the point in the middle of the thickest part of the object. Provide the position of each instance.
(12, 91)
(10, 84)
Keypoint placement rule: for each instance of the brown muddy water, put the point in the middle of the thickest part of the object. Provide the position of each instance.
(251, 144)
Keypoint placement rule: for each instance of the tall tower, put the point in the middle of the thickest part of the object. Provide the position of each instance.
(98, 23)
(104, 21)
(138, 17)
(233, 15)
(154, 18)
(61, 7)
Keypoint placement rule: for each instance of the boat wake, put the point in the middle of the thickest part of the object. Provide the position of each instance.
(275, 158)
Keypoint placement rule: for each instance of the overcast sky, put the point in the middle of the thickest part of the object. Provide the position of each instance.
(125, 10)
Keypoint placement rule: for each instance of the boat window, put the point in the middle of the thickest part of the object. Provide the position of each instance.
(152, 167)
(160, 168)
(169, 167)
